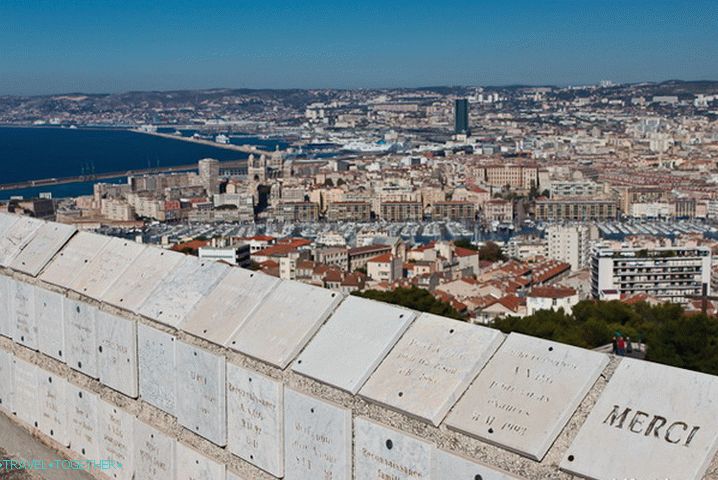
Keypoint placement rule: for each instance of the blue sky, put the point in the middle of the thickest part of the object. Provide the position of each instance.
(54, 46)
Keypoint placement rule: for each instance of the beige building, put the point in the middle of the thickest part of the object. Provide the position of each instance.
(401, 211)
(384, 268)
(453, 210)
(349, 212)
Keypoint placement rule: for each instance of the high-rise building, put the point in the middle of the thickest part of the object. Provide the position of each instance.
(671, 274)
(570, 244)
(209, 175)
(461, 116)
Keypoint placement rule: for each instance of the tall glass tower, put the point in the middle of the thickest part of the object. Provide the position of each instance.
(461, 116)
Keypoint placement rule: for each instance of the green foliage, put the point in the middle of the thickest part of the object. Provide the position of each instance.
(491, 252)
(671, 336)
(465, 243)
(415, 298)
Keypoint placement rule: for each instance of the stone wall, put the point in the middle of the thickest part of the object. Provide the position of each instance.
(179, 368)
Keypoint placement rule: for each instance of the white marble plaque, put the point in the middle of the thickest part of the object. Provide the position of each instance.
(192, 465)
(117, 353)
(156, 353)
(23, 320)
(651, 422)
(353, 342)
(6, 221)
(317, 439)
(225, 309)
(201, 392)
(233, 476)
(431, 366)
(447, 466)
(154, 453)
(25, 399)
(80, 336)
(46, 242)
(255, 410)
(181, 289)
(101, 272)
(6, 291)
(383, 452)
(16, 237)
(72, 259)
(134, 286)
(284, 322)
(116, 428)
(7, 392)
(527, 393)
(52, 406)
(50, 324)
(82, 414)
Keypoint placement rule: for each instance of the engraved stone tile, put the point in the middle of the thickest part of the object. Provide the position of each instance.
(446, 466)
(651, 422)
(284, 322)
(50, 324)
(6, 221)
(7, 392)
(218, 315)
(431, 366)
(201, 392)
(317, 438)
(16, 237)
(23, 319)
(156, 352)
(383, 452)
(136, 284)
(116, 428)
(25, 398)
(181, 289)
(353, 342)
(528, 391)
(255, 412)
(117, 353)
(95, 278)
(72, 259)
(192, 465)
(6, 290)
(52, 406)
(46, 242)
(233, 476)
(154, 453)
(80, 336)
(82, 414)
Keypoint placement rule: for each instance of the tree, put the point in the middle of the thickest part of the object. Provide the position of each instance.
(414, 298)
(465, 243)
(491, 252)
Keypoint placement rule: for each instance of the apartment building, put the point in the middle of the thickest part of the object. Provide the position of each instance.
(562, 210)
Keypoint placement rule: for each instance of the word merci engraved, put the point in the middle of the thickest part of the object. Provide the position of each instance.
(645, 434)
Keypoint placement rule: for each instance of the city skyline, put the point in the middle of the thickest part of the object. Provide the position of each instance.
(109, 48)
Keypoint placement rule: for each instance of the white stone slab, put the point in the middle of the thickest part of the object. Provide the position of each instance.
(192, 465)
(50, 324)
(255, 419)
(136, 284)
(317, 438)
(16, 237)
(447, 466)
(232, 476)
(52, 406)
(7, 392)
(353, 343)
(46, 242)
(80, 336)
(181, 289)
(5, 306)
(154, 453)
(101, 272)
(117, 353)
(225, 309)
(23, 320)
(116, 428)
(82, 414)
(383, 452)
(6, 221)
(527, 393)
(284, 322)
(156, 354)
(25, 398)
(72, 259)
(201, 392)
(652, 421)
(431, 366)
